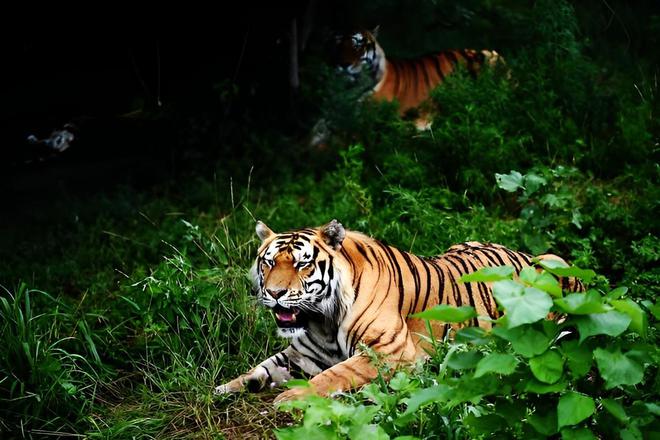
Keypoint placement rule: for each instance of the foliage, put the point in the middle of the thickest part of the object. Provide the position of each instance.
(590, 374)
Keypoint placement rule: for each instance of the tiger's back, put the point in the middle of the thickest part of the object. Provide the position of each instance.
(408, 81)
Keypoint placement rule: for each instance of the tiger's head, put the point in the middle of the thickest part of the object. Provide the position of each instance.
(297, 275)
(357, 52)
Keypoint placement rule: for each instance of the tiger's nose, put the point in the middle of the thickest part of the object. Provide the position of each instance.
(276, 293)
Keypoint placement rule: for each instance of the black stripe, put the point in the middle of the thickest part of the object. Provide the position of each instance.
(427, 294)
(395, 264)
(467, 286)
(363, 252)
(415, 274)
(438, 67)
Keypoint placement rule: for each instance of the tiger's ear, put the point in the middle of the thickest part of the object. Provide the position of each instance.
(375, 31)
(263, 231)
(333, 234)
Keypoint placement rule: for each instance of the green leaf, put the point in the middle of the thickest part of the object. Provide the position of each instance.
(617, 368)
(534, 386)
(582, 303)
(374, 432)
(521, 305)
(399, 381)
(655, 310)
(638, 322)
(447, 313)
(573, 408)
(616, 409)
(542, 281)
(524, 339)
(438, 393)
(617, 293)
(496, 363)
(579, 357)
(610, 323)
(533, 182)
(488, 274)
(548, 367)
(577, 434)
(472, 335)
(561, 269)
(631, 433)
(510, 182)
(464, 360)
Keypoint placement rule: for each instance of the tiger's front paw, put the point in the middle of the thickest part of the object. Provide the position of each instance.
(234, 386)
(294, 394)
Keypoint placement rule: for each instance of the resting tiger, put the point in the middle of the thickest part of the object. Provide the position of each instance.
(330, 290)
(411, 81)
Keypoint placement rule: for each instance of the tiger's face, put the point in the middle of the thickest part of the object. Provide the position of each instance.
(295, 277)
(356, 52)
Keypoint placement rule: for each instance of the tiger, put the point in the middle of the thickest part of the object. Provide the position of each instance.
(409, 81)
(333, 292)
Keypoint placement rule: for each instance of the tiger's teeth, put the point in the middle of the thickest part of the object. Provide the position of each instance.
(286, 316)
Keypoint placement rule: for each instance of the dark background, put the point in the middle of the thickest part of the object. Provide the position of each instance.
(155, 94)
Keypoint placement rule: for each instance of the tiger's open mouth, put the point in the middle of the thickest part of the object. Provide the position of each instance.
(288, 318)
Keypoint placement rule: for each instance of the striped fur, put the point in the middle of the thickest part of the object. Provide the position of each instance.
(331, 290)
(411, 81)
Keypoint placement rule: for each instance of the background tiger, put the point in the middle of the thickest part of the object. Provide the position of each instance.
(408, 81)
(331, 289)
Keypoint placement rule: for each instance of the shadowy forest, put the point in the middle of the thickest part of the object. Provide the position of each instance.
(126, 242)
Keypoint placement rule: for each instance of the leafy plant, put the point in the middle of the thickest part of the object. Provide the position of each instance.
(590, 373)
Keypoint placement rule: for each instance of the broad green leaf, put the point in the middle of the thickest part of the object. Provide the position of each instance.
(464, 360)
(542, 281)
(616, 409)
(438, 393)
(631, 433)
(582, 303)
(579, 357)
(610, 323)
(521, 305)
(525, 340)
(534, 386)
(638, 321)
(510, 182)
(487, 274)
(551, 263)
(544, 422)
(374, 432)
(399, 381)
(560, 268)
(446, 313)
(577, 434)
(617, 293)
(472, 335)
(496, 363)
(617, 368)
(548, 367)
(533, 182)
(315, 432)
(655, 310)
(573, 408)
